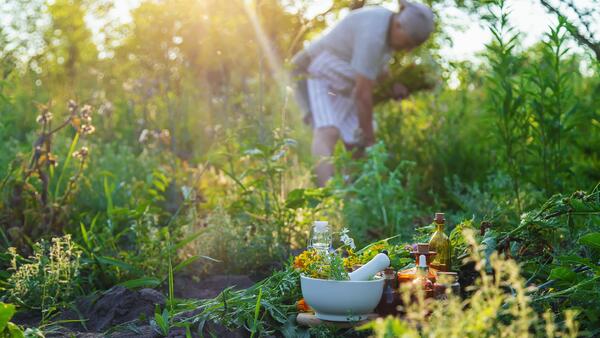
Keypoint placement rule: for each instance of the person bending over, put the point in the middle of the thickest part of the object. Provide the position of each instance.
(336, 75)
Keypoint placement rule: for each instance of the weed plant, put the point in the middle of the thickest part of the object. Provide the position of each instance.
(505, 97)
(37, 191)
(553, 108)
(377, 202)
(48, 279)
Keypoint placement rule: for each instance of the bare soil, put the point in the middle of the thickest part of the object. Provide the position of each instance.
(122, 313)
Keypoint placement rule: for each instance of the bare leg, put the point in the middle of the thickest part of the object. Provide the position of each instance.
(324, 140)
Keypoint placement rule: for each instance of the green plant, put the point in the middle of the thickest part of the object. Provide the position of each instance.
(254, 327)
(162, 322)
(553, 108)
(377, 201)
(261, 201)
(7, 328)
(238, 309)
(260, 212)
(505, 97)
(558, 245)
(35, 199)
(48, 279)
(337, 271)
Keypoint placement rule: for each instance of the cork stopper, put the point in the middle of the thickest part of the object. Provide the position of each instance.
(439, 217)
(422, 247)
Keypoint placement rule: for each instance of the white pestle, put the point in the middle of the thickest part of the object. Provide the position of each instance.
(365, 272)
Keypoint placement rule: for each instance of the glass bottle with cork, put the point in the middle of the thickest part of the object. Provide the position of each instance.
(422, 279)
(408, 275)
(390, 299)
(440, 243)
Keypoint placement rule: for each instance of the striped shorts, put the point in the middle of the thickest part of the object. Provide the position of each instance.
(330, 91)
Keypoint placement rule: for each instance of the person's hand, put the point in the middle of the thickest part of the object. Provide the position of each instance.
(364, 139)
(369, 140)
(399, 91)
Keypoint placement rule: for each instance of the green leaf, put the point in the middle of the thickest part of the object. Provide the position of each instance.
(573, 259)
(6, 313)
(295, 199)
(108, 190)
(592, 240)
(562, 273)
(187, 240)
(85, 237)
(256, 313)
(161, 322)
(489, 244)
(66, 165)
(165, 320)
(144, 282)
(15, 331)
(185, 263)
(120, 264)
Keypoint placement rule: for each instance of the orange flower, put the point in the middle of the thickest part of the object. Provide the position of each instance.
(301, 306)
(298, 264)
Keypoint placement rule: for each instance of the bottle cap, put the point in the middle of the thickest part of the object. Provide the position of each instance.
(439, 217)
(422, 247)
(321, 226)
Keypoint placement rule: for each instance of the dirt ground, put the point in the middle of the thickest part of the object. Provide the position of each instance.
(122, 313)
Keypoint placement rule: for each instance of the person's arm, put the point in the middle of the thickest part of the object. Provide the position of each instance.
(364, 101)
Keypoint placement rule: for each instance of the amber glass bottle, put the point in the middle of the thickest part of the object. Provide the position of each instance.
(390, 299)
(440, 244)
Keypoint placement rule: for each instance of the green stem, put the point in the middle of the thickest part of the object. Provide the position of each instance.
(567, 291)
(66, 165)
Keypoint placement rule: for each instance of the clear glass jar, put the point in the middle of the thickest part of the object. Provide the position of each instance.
(320, 237)
(446, 281)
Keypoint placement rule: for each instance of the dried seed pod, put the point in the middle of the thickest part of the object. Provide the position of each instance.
(87, 129)
(81, 154)
(72, 106)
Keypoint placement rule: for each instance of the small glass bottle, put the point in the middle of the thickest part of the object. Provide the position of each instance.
(422, 280)
(390, 299)
(446, 281)
(440, 244)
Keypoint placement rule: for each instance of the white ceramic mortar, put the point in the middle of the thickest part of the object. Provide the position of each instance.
(341, 301)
